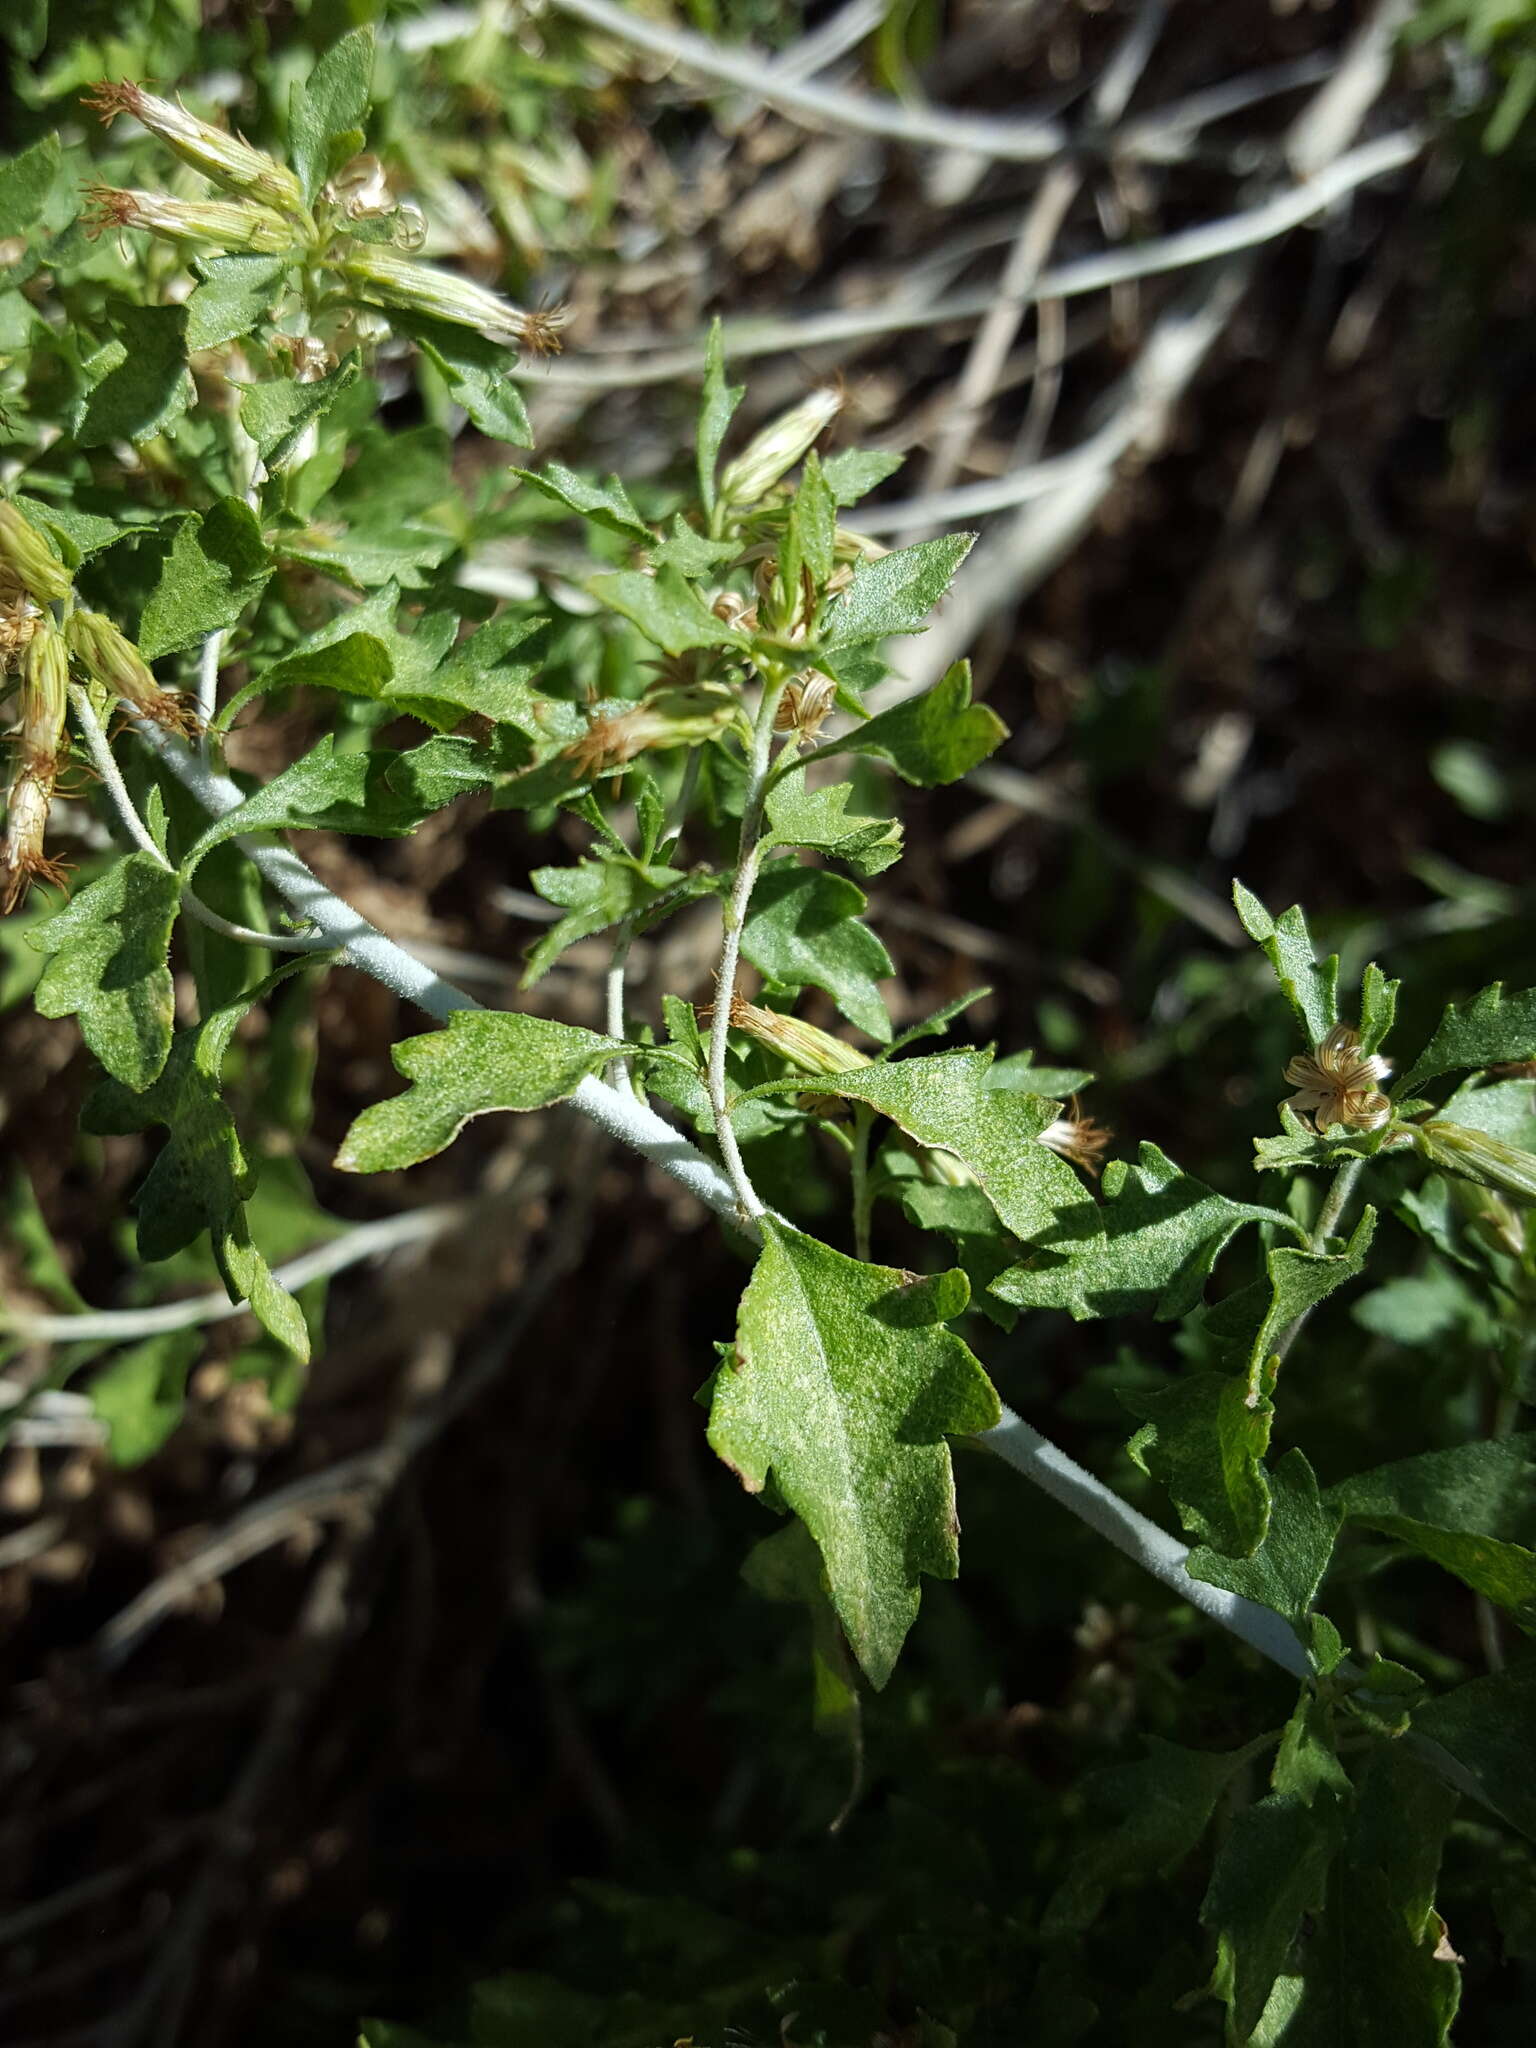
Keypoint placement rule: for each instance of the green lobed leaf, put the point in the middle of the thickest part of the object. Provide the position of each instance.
(1296, 1281)
(802, 930)
(217, 563)
(140, 381)
(933, 738)
(818, 818)
(201, 1178)
(1471, 1509)
(141, 1394)
(594, 895)
(235, 294)
(1373, 1968)
(983, 1248)
(606, 505)
(1310, 985)
(668, 611)
(1286, 1570)
(276, 412)
(1270, 1872)
(476, 372)
(382, 794)
(1489, 1726)
(854, 472)
(717, 403)
(1378, 1007)
(1152, 1245)
(690, 553)
(843, 1386)
(1489, 1030)
(1204, 1441)
(329, 109)
(25, 183)
(1019, 1071)
(485, 1060)
(813, 519)
(1140, 1821)
(109, 966)
(896, 593)
(943, 1101)
(1425, 1309)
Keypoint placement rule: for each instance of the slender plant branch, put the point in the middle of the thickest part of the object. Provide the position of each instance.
(105, 764)
(1327, 1225)
(659, 359)
(613, 991)
(123, 1325)
(748, 860)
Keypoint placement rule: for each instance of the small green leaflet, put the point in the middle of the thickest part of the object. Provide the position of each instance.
(109, 967)
(982, 1247)
(933, 738)
(1471, 1509)
(942, 1099)
(668, 611)
(819, 819)
(328, 110)
(141, 1394)
(896, 593)
(1310, 985)
(1489, 1030)
(843, 1385)
(716, 405)
(383, 794)
(235, 293)
(1378, 1007)
(855, 472)
(594, 895)
(1301, 1146)
(1203, 1440)
(485, 1060)
(803, 931)
(1489, 1726)
(140, 382)
(1142, 1820)
(478, 374)
(201, 1178)
(1158, 1235)
(812, 525)
(1296, 1281)
(275, 413)
(690, 553)
(1286, 1570)
(1373, 1968)
(1271, 1871)
(25, 183)
(606, 505)
(217, 563)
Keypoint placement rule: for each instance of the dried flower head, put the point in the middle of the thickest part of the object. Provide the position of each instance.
(222, 223)
(1336, 1083)
(111, 657)
(20, 617)
(22, 859)
(772, 453)
(27, 559)
(307, 354)
(806, 704)
(805, 1045)
(39, 750)
(360, 189)
(228, 159)
(390, 279)
(1079, 1140)
(681, 717)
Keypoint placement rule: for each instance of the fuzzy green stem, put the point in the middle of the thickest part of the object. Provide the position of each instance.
(1327, 1225)
(748, 860)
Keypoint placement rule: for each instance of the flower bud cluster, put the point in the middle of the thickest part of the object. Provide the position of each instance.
(267, 215)
(39, 749)
(38, 650)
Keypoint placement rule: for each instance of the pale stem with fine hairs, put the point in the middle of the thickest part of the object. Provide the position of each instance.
(748, 858)
(103, 761)
(613, 990)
